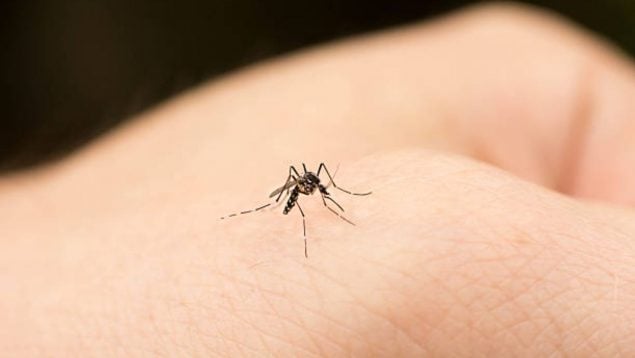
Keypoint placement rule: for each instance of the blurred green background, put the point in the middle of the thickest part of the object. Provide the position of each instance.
(71, 70)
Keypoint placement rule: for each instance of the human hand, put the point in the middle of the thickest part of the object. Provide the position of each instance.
(119, 250)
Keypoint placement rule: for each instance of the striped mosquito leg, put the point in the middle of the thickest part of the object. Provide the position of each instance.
(244, 212)
(322, 165)
(333, 201)
(335, 212)
(283, 199)
(306, 253)
(334, 174)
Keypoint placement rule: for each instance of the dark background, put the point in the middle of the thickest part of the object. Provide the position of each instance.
(71, 70)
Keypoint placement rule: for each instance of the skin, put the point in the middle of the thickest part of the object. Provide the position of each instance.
(498, 143)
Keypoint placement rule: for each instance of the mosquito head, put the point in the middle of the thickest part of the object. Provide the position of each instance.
(308, 183)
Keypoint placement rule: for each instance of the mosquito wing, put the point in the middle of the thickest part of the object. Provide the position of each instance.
(288, 185)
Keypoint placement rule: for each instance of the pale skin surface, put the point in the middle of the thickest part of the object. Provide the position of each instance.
(118, 250)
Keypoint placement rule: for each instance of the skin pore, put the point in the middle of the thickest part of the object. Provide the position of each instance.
(498, 143)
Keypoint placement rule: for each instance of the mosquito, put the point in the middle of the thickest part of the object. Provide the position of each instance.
(307, 184)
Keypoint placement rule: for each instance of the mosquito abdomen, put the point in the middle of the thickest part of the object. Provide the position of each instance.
(291, 202)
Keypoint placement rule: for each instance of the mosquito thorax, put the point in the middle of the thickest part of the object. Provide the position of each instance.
(312, 178)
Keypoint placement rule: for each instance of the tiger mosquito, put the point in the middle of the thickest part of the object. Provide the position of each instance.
(307, 184)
